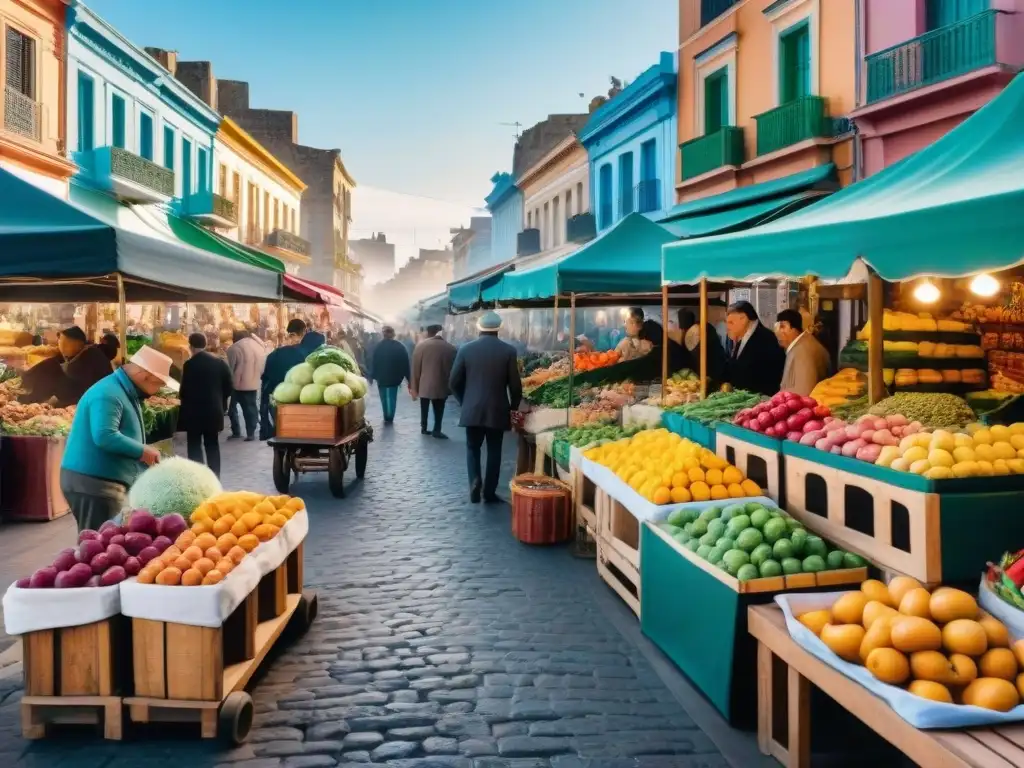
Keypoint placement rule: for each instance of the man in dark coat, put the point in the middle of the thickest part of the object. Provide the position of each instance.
(389, 367)
(431, 369)
(299, 346)
(485, 381)
(65, 378)
(205, 389)
(756, 360)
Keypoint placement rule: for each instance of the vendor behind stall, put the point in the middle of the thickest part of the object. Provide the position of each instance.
(807, 361)
(644, 336)
(688, 335)
(64, 379)
(755, 359)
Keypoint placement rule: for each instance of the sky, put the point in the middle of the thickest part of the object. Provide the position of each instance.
(413, 92)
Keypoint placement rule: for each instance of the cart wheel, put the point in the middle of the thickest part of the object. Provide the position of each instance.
(234, 720)
(362, 450)
(336, 463)
(308, 608)
(282, 470)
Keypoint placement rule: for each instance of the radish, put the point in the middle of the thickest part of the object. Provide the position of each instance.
(811, 438)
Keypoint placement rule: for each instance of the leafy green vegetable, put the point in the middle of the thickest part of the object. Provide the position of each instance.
(325, 354)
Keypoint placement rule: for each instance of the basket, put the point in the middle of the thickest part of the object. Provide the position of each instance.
(542, 510)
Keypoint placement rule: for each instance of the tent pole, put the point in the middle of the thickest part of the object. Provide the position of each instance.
(280, 323)
(876, 376)
(664, 343)
(554, 327)
(572, 350)
(703, 338)
(122, 318)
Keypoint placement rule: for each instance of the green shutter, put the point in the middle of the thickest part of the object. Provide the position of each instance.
(802, 44)
(795, 63)
(86, 113)
(716, 101)
(168, 147)
(202, 175)
(117, 109)
(146, 136)
(186, 168)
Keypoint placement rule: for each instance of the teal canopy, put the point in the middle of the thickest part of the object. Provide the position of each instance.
(50, 250)
(734, 219)
(951, 209)
(467, 294)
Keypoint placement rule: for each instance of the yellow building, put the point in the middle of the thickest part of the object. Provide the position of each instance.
(764, 90)
(555, 189)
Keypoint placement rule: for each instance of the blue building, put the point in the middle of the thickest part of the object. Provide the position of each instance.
(630, 142)
(505, 204)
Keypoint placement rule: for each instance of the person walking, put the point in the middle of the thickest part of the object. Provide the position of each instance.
(389, 368)
(432, 363)
(206, 386)
(106, 447)
(485, 381)
(247, 358)
(300, 343)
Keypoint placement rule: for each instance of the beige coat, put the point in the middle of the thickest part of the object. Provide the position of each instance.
(807, 363)
(432, 362)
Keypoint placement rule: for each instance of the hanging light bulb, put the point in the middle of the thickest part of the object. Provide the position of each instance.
(984, 285)
(926, 292)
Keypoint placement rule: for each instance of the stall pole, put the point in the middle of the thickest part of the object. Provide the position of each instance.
(572, 351)
(122, 318)
(281, 316)
(703, 338)
(664, 343)
(554, 326)
(876, 376)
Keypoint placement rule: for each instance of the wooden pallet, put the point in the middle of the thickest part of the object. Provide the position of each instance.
(185, 673)
(619, 574)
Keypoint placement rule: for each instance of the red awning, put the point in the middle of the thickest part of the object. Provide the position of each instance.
(297, 289)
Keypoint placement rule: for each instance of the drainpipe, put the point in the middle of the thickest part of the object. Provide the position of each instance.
(858, 84)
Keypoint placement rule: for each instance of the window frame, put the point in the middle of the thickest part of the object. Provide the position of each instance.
(718, 79)
(118, 99)
(32, 59)
(86, 134)
(794, 83)
(145, 115)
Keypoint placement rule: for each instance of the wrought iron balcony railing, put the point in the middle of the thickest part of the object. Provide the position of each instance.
(22, 115)
(800, 119)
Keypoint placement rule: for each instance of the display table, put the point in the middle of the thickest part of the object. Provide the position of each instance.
(30, 478)
(786, 704)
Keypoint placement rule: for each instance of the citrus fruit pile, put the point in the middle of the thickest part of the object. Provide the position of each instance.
(665, 468)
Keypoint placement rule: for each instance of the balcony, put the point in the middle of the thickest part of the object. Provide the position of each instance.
(941, 54)
(799, 120)
(648, 195)
(283, 240)
(580, 228)
(127, 176)
(712, 9)
(210, 209)
(528, 242)
(22, 115)
(715, 150)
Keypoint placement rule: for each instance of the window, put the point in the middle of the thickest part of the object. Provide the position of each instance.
(716, 101)
(604, 196)
(942, 13)
(529, 219)
(236, 189)
(795, 63)
(277, 214)
(266, 213)
(557, 225)
(649, 160)
(186, 167)
(86, 113)
(202, 170)
(21, 63)
(145, 136)
(568, 203)
(254, 213)
(168, 147)
(117, 121)
(545, 230)
(625, 183)
(579, 197)
(222, 181)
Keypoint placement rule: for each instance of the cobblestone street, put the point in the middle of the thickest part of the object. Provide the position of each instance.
(440, 643)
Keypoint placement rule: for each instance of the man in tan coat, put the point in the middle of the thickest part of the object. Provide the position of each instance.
(432, 362)
(807, 361)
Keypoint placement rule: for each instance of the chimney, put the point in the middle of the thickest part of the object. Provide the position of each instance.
(232, 97)
(167, 59)
(198, 77)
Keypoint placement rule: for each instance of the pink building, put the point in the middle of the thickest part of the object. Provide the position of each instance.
(928, 65)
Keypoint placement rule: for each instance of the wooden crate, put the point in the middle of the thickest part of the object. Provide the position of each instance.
(319, 422)
(758, 457)
(619, 574)
(76, 675)
(619, 529)
(585, 495)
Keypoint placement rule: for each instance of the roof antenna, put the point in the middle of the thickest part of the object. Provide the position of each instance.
(517, 125)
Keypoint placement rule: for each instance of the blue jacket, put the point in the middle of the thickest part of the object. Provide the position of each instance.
(283, 359)
(107, 435)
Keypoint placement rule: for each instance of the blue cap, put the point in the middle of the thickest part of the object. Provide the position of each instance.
(489, 321)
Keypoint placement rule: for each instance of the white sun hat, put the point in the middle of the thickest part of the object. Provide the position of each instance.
(157, 364)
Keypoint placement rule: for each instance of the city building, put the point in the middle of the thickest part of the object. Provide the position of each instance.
(631, 142)
(33, 79)
(765, 92)
(376, 256)
(471, 247)
(505, 204)
(426, 275)
(927, 66)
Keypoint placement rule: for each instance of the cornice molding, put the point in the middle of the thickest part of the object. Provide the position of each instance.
(561, 150)
(657, 81)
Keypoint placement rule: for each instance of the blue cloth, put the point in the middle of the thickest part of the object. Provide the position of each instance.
(390, 364)
(388, 401)
(107, 436)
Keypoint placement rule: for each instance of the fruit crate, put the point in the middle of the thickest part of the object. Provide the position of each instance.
(619, 574)
(757, 456)
(319, 422)
(586, 497)
(934, 530)
(696, 614)
(186, 673)
(76, 675)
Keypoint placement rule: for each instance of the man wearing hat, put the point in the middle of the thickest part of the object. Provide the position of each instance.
(106, 448)
(431, 368)
(485, 381)
(66, 378)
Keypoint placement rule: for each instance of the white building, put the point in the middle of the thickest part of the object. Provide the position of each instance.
(556, 190)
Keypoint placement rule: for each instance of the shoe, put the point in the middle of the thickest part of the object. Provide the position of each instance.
(250, 439)
(424, 431)
(234, 437)
(440, 435)
(474, 492)
(493, 499)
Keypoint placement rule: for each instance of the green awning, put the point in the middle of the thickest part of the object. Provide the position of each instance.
(734, 219)
(197, 237)
(951, 209)
(467, 294)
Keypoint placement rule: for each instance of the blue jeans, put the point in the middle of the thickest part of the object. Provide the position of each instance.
(247, 402)
(388, 401)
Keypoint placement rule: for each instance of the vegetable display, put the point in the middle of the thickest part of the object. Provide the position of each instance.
(785, 415)
(31, 419)
(847, 385)
(751, 541)
(325, 354)
(940, 455)
(329, 376)
(681, 387)
(586, 435)
(721, 406)
(936, 644)
(932, 410)
(174, 486)
(589, 361)
(1007, 579)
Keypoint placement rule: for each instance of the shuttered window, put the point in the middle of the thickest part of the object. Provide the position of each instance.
(145, 136)
(716, 101)
(20, 62)
(795, 63)
(186, 168)
(117, 119)
(86, 113)
(168, 147)
(203, 172)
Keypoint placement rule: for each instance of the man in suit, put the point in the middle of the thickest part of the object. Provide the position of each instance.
(755, 359)
(807, 361)
(206, 386)
(432, 362)
(485, 381)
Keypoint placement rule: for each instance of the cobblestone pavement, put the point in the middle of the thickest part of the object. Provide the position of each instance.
(441, 643)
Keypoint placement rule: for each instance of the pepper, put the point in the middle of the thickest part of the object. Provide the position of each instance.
(1015, 569)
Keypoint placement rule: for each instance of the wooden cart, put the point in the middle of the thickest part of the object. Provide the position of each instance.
(294, 455)
(185, 673)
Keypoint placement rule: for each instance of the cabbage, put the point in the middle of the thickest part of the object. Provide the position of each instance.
(337, 394)
(175, 485)
(325, 354)
(286, 392)
(312, 394)
(357, 384)
(329, 373)
(301, 374)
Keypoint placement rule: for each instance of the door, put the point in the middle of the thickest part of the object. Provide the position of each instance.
(186, 168)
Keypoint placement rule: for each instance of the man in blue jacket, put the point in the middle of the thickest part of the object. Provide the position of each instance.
(300, 345)
(106, 448)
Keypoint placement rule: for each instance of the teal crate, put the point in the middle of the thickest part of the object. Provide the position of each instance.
(757, 456)
(701, 434)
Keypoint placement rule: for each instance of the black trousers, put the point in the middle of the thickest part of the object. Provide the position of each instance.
(475, 439)
(197, 441)
(425, 406)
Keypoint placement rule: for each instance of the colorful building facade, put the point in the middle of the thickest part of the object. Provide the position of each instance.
(34, 85)
(556, 198)
(927, 66)
(765, 89)
(505, 204)
(631, 143)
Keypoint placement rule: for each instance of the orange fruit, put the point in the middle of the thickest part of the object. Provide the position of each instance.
(713, 477)
(700, 491)
(735, 491)
(239, 528)
(202, 526)
(680, 480)
(213, 577)
(225, 566)
(191, 578)
(227, 541)
(223, 525)
(214, 553)
(719, 492)
(147, 575)
(182, 563)
(249, 542)
(680, 496)
(662, 496)
(185, 540)
(696, 475)
(205, 540)
(750, 488)
(204, 565)
(237, 554)
(193, 553)
(296, 504)
(169, 577)
(171, 552)
(278, 519)
(251, 520)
